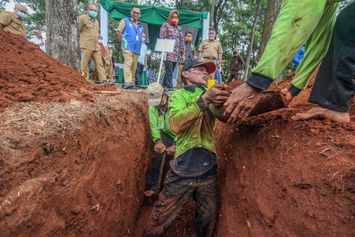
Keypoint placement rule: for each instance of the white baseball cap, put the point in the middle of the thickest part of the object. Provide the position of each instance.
(155, 92)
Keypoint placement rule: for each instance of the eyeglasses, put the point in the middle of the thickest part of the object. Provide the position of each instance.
(137, 13)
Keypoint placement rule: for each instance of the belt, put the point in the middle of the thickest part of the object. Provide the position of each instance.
(209, 58)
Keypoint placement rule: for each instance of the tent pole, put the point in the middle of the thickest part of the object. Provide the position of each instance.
(161, 66)
(104, 25)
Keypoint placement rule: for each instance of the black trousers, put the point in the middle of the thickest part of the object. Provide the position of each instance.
(139, 70)
(153, 173)
(335, 83)
(168, 76)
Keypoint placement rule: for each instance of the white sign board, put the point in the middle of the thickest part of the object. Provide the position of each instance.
(165, 45)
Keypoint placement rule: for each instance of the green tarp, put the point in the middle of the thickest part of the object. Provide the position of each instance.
(154, 17)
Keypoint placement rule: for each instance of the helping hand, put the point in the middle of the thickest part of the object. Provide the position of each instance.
(241, 102)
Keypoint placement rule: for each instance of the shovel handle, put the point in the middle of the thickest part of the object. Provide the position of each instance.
(161, 171)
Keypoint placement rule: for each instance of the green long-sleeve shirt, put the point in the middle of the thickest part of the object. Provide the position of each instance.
(159, 121)
(306, 22)
(193, 127)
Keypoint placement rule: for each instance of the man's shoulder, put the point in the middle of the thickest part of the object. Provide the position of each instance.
(187, 91)
(83, 17)
(8, 14)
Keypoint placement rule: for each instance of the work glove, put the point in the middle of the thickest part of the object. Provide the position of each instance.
(159, 147)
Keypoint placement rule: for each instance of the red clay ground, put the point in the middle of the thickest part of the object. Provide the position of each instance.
(285, 178)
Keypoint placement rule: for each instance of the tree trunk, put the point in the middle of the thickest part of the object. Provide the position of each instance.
(62, 31)
(212, 12)
(271, 13)
(252, 37)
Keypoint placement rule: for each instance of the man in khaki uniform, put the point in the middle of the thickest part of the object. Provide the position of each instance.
(108, 61)
(89, 34)
(211, 50)
(13, 21)
(130, 32)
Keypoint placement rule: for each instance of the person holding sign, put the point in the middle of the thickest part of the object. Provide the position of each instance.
(171, 30)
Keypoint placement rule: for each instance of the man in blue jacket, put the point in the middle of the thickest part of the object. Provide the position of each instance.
(130, 32)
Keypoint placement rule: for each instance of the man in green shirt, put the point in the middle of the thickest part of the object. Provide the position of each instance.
(311, 23)
(163, 137)
(193, 171)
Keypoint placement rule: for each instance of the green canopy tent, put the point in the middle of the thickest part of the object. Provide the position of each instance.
(153, 17)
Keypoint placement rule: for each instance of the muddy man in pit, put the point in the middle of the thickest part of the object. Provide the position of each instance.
(163, 137)
(193, 172)
(311, 23)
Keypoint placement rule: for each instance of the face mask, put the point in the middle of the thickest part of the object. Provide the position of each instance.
(21, 14)
(93, 14)
(110, 46)
(100, 41)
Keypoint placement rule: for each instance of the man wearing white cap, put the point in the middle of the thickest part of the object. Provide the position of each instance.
(163, 137)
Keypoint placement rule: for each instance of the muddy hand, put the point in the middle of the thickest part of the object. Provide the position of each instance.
(216, 95)
(159, 147)
(241, 102)
(171, 150)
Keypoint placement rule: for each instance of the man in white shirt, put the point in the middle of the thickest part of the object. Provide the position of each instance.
(142, 62)
(38, 40)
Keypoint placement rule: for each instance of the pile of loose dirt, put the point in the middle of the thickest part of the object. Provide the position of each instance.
(280, 177)
(28, 74)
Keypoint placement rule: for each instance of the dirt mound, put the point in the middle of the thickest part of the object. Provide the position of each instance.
(28, 74)
(73, 169)
(280, 177)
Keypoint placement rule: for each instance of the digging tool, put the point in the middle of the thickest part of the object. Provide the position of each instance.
(270, 100)
(161, 171)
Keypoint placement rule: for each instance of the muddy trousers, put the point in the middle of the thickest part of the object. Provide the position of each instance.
(154, 170)
(335, 83)
(176, 192)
